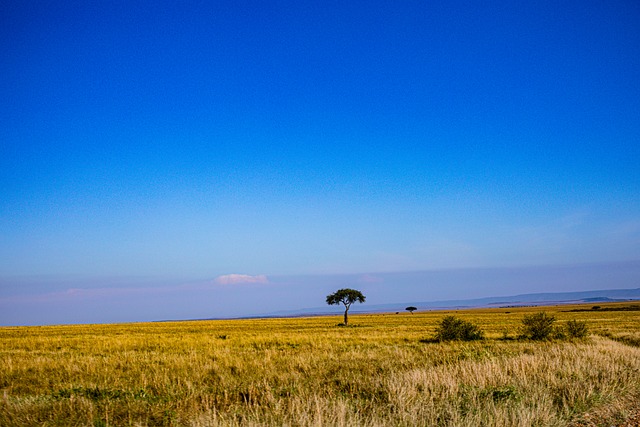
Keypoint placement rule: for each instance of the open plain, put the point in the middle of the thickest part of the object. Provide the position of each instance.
(381, 370)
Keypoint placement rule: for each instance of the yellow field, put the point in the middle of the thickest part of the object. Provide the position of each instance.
(309, 371)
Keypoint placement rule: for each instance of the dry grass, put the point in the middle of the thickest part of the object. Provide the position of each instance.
(309, 372)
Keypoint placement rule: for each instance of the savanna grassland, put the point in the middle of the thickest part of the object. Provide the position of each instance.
(380, 371)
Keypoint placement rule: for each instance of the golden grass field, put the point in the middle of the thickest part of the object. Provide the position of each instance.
(310, 372)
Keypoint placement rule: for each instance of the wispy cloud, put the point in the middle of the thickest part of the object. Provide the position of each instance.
(234, 279)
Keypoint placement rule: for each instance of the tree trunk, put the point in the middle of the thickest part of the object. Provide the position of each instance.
(346, 318)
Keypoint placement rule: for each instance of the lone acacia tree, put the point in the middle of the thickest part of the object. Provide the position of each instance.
(345, 297)
(411, 309)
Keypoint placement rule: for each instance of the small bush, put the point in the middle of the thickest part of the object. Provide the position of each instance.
(576, 329)
(538, 326)
(453, 329)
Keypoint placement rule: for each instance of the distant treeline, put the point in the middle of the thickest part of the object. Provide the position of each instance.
(635, 307)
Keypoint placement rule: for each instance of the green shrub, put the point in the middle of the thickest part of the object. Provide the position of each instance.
(453, 329)
(538, 326)
(576, 329)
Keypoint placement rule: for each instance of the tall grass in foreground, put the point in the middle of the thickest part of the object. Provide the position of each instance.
(309, 372)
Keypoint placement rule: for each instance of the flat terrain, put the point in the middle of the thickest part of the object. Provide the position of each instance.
(309, 371)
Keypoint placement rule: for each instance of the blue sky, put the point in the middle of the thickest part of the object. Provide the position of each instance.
(149, 146)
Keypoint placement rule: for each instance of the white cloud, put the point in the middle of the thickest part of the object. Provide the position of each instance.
(233, 279)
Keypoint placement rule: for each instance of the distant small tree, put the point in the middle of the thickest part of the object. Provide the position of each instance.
(538, 326)
(453, 329)
(346, 297)
(411, 309)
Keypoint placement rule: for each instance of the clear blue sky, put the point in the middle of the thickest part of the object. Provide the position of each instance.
(148, 146)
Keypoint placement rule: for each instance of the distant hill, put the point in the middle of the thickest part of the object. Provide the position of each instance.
(549, 298)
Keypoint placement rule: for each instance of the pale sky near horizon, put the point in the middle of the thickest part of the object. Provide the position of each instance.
(148, 146)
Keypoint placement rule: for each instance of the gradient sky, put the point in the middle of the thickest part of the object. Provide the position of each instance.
(153, 149)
